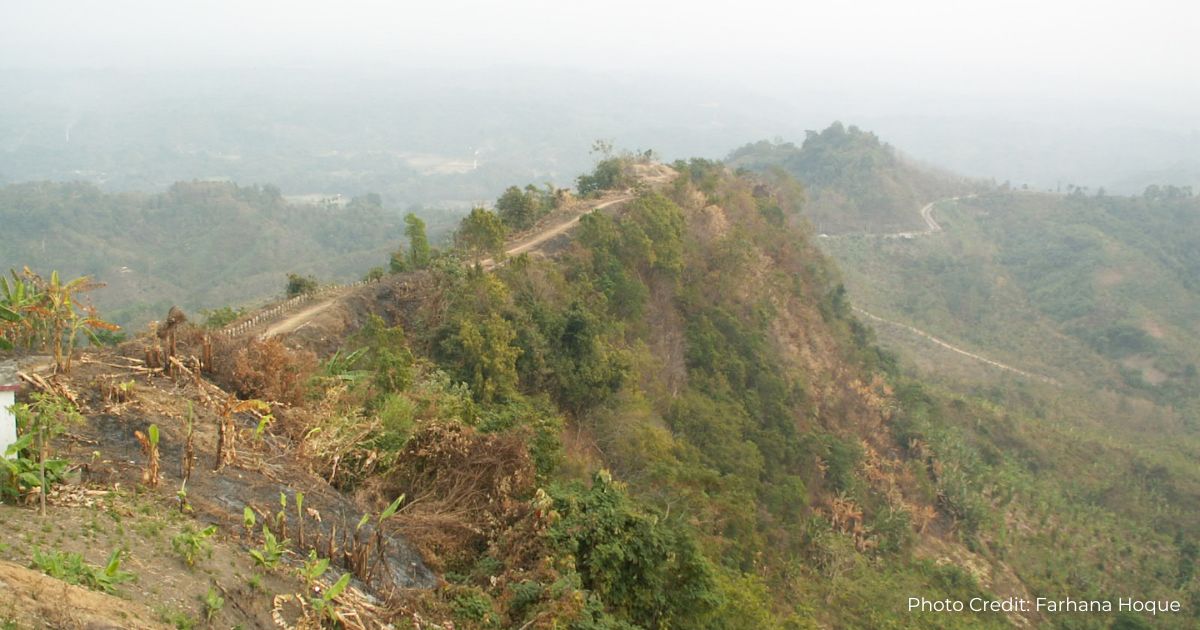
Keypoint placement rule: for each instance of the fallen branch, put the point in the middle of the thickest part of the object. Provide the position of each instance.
(49, 386)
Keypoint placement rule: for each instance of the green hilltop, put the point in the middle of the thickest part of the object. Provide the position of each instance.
(855, 181)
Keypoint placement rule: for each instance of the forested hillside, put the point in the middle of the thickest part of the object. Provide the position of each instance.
(1095, 293)
(714, 441)
(670, 418)
(197, 245)
(855, 182)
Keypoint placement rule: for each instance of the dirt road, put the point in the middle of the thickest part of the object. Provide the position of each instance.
(297, 320)
(532, 241)
(933, 227)
(953, 348)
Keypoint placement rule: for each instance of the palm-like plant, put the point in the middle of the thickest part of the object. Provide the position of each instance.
(9, 321)
(66, 318)
(49, 312)
(17, 298)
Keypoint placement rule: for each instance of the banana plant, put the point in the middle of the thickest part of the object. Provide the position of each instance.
(17, 298)
(33, 310)
(66, 319)
(9, 320)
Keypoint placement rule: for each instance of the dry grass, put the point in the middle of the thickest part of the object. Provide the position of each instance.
(463, 488)
(269, 371)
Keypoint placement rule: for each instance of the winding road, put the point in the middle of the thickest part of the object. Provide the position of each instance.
(933, 227)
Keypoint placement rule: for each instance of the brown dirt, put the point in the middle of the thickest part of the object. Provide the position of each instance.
(93, 522)
(653, 173)
(44, 602)
(295, 320)
(112, 510)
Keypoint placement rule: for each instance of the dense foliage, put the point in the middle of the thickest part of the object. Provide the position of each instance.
(655, 341)
(481, 234)
(518, 208)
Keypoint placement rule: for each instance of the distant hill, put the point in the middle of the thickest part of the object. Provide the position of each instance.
(197, 245)
(1097, 289)
(856, 183)
(1102, 290)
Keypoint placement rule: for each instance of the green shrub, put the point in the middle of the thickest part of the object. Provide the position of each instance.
(269, 555)
(221, 317)
(397, 413)
(473, 604)
(192, 545)
(842, 458)
(300, 285)
(387, 355)
(213, 603)
(648, 571)
(71, 568)
(609, 174)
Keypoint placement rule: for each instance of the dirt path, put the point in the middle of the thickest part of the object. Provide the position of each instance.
(927, 214)
(953, 348)
(297, 320)
(534, 240)
(933, 227)
(931, 224)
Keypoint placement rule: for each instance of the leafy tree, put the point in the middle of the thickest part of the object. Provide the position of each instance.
(385, 355)
(484, 356)
(10, 323)
(646, 570)
(42, 419)
(626, 293)
(517, 208)
(419, 253)
(481, 233)
(18, 304)
(221, 317)
(653, 233)
(585, 367)
(398, 262)
(300, 285)
(608, 174)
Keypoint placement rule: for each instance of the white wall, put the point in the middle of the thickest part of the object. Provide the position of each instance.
(8, 422)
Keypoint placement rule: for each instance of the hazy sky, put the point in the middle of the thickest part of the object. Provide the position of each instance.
(1090, 91)
(1145, 51)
